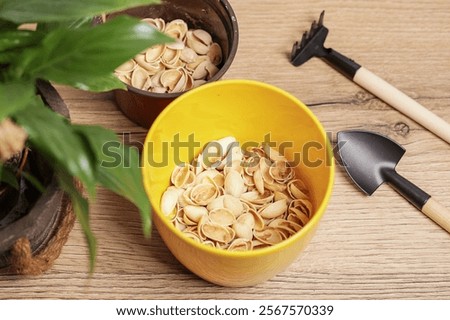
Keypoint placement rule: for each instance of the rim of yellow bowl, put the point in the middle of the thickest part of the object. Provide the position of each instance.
(257, 252)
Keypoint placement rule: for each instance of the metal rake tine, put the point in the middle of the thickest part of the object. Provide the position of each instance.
(320, 23)
(298, 45)
(314, 27)
(304, 39)
(295, 48)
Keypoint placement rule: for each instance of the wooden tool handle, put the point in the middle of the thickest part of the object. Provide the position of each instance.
(402, 103)
(438, 213)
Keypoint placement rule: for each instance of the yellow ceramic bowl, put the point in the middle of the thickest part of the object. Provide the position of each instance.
(250, 111)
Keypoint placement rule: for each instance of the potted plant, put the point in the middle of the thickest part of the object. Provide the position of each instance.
(66, 48)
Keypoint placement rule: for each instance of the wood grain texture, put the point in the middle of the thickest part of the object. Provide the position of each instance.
(376, 247)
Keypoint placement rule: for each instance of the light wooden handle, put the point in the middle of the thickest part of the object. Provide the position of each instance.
(438, 213)
(403, 103)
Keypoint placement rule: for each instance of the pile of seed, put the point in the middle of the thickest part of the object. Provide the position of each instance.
(177, 67)
(237, 200)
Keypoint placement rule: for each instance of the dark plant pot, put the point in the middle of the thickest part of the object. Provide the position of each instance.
(34, 230)
(214, 16)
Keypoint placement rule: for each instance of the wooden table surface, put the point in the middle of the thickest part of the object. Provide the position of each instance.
(376, 247)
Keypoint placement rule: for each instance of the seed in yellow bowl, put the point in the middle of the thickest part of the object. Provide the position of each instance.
(226, 183)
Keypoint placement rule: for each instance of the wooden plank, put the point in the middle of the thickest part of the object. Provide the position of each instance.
(366, 247)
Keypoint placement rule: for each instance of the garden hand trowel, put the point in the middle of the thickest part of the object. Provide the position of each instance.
(370, 160)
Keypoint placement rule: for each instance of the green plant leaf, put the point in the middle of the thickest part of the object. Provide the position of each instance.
(81, 209)
(15, 96)
(8, 176)
(22, 11)
(74, 56)
(127, 182)
(53, 136)
(13, 39)
(70, 24)
(7, 25)
(7, 57)
(101, 84)
(118, 169)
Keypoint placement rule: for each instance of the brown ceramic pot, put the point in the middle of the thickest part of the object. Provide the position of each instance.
(214, 16)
